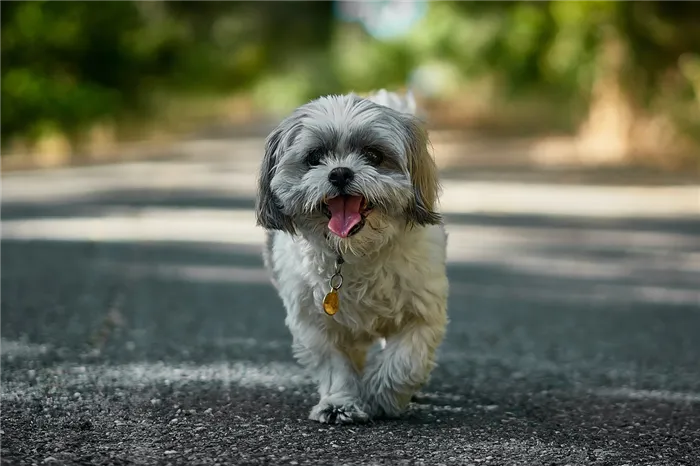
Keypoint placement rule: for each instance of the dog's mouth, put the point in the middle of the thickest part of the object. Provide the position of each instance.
(346, 214)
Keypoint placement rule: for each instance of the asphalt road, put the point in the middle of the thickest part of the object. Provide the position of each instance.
(138, 326)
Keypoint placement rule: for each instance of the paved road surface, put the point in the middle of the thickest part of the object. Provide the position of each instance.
(138, 326)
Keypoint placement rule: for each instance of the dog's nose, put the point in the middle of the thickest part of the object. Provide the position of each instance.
(341, 176)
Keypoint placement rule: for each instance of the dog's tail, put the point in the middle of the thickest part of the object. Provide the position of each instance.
(405, 103)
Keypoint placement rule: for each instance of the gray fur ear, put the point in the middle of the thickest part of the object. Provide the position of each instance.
(424, 176)
(268, 212)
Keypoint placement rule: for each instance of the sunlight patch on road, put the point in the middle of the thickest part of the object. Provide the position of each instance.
(17, 349)
(244, 374)
(196, 225)
(570, 201)
(649, 395)
(142, 376)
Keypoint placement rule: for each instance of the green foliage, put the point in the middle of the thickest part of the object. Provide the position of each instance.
(68, 64)
(552, 49)
(562, 44)
(65, 64)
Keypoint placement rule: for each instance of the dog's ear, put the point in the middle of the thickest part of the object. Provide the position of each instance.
(424, 175)
(268, 212)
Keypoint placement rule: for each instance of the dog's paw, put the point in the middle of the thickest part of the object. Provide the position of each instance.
(387, 404)
(338, 410)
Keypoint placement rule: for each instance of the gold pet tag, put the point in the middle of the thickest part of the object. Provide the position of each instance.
(331, 302)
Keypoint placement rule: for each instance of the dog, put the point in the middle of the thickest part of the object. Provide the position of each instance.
(355, 247)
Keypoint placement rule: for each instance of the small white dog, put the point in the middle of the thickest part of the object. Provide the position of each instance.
(348, 194)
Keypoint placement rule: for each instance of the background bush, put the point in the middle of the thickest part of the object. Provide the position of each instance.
(67, 65)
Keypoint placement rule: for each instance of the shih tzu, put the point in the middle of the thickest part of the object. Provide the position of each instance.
(355, 247)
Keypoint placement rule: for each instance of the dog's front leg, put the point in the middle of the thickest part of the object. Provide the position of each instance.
(401, 368)
(338, 380)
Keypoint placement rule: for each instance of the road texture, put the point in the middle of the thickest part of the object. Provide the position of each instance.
(138, 326)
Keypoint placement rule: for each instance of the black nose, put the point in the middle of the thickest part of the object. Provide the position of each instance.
(341, 176)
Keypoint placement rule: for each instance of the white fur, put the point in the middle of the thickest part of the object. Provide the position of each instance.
(394, 287)
(403, 103)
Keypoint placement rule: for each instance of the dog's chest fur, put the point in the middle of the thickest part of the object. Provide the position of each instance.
(406, 280)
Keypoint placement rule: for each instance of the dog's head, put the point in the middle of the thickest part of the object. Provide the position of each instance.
(349, 172)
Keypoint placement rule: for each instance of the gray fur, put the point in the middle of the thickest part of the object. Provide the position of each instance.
(337, 130)
(267, 208)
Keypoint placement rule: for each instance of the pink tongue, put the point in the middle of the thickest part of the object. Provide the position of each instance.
(345, 214)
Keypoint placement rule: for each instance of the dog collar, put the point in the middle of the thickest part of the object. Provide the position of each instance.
(331, 302)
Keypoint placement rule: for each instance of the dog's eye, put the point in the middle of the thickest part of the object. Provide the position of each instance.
(313, 158)
(373, 156)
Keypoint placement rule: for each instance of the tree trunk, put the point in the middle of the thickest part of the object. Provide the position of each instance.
(605, 135)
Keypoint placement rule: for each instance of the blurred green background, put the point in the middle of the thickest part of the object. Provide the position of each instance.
(624, 74)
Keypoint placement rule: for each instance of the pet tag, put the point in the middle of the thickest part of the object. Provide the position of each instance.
(331, 302)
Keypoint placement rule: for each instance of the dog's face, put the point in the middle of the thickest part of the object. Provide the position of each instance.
(347, 172)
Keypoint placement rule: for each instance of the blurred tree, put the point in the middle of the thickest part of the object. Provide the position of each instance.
(66, 64)
(628, 55)
(616, 68)
(534, 42)
(235, 43)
